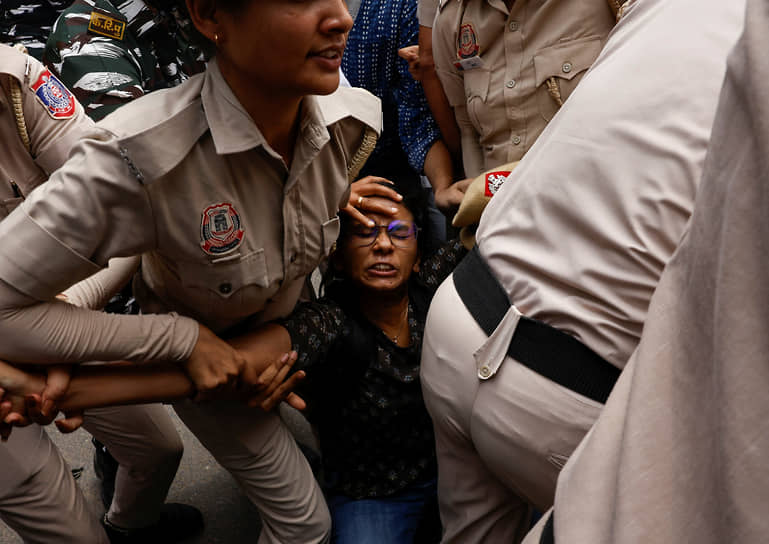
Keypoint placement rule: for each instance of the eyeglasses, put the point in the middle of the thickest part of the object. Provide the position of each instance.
(401, 233)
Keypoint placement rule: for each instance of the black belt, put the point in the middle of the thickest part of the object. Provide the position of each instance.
(545, 350)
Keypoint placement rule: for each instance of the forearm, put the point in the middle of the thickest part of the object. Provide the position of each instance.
(438, 167)
(116, 384)
(95, 291)
(263, 346)
(56, 332)
(436, 97)
(95, 386)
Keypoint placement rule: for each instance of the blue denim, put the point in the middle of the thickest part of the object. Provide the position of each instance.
(410, 516)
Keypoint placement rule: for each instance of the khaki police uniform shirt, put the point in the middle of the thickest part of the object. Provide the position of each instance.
(580, 232)
(679, 452)
(496, 63)
(51, 131)
(226, 231)
(426, 11)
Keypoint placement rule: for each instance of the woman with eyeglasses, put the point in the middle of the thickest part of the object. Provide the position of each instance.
(359, 347)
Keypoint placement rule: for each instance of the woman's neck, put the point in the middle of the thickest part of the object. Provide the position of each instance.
(388, 311)
(276, 114)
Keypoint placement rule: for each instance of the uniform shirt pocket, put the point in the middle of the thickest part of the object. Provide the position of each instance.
(559, 68)
(477, 92)
(330, 232)
(227, 276)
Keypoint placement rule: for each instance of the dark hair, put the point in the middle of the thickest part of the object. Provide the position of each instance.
(191, 33)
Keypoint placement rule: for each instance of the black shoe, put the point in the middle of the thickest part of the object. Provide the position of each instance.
(105, 466)
(177, 523)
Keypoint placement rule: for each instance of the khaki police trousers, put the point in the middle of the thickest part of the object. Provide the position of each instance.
(500, 442)
(39, 498)
(144, 440)
(261, 454)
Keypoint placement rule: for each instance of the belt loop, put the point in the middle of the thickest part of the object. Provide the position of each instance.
(489, 357)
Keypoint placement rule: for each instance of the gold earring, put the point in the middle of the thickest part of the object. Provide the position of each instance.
(216, 38)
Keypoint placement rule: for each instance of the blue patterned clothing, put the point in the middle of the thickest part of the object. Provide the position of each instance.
(371, 61)
(363, 390)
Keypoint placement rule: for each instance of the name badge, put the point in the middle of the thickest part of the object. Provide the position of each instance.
(470, 63)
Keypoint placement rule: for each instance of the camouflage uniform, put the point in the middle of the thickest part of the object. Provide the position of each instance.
(110, 52)
(29, 22)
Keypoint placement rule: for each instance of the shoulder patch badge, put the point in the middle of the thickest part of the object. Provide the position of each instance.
(494, 181)
(105, 25)
(220, 229)
(467, 42)
(51, 93)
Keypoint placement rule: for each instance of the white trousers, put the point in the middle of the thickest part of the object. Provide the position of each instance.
(500, 442)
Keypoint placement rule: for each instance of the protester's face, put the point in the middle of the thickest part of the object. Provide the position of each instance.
(380, 262)
(291, 47)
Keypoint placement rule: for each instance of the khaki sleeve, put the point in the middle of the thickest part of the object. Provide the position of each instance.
(95, 291)
(92, 209)
(51, 332)
(426, 10)
(51, 138)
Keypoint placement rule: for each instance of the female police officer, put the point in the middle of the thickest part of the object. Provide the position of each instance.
(228, 186)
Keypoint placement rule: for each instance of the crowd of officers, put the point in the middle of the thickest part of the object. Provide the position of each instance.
(612, 282)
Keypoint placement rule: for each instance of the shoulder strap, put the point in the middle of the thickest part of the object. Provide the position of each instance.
(361, 155)
(18, 107)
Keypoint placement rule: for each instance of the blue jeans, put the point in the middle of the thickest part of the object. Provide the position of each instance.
(410, 516)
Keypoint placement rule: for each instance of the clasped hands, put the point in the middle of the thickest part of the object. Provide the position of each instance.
(218, 369)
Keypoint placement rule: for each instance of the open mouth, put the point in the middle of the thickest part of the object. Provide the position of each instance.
(382, 267)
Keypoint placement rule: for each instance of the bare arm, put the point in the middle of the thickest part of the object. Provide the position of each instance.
(434, 93)
(92, 386)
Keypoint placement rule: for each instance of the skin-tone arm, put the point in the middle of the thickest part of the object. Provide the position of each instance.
(438, 169)
(267, 363)
(422, 68)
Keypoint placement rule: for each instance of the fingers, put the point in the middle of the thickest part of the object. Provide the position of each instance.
(271, 378)
(56, 385)
(40, 411)
(70, 423)
(296, 401)
(356, 215)
(372, 186)
(463, 184)
(360, 201)
(214, 366)
(409, 53)
(282, 392)
(279, 387)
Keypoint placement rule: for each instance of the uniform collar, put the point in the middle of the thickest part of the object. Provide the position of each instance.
(231, 126)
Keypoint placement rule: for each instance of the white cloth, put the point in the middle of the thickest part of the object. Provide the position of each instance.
(679, 452)
(579, 233)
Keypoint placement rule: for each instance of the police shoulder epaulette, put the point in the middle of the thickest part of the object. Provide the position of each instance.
(351, 102)
(358, 104)
(179, 129)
